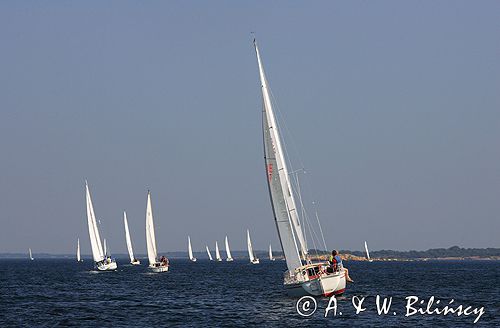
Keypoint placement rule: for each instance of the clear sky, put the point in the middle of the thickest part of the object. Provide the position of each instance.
(394, 107)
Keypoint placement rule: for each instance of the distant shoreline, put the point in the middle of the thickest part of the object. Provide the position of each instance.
(453, 253)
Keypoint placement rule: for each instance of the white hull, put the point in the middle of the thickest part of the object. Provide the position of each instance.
(106, 266)
(219, 260)
(229, 259)
(256, 261)
(193, 259)
(136, 262)
(324, 285)
(159, 269)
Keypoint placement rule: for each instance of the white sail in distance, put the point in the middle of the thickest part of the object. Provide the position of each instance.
(127, 238)
(280, 189)
(209, 255)
(228, 251)
(217, 253)
(250, 248)
(95, 238)
(150, 233)
(190, 250)
(367, 253)
(78, 257)
(31, 255)
(270, 253)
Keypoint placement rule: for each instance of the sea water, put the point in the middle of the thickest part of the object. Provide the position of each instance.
(64, 293)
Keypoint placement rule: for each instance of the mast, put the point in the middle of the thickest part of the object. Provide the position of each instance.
(209, 255)
(95, 239)
(127, 238)
(150, 232)
(280, 189)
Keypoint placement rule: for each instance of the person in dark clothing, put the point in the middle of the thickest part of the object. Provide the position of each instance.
(336, 263)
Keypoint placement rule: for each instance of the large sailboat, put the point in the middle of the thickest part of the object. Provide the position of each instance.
(190, 251)
(271, 258)
(78, 256)
(102, 261)
(133, 260)
(156, 265)
(302, 277)
(228, 252)
(208, 252)
(251, 254)
(367, 253)
(218, 258)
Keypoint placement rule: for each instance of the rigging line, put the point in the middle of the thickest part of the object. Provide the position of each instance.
(320, 228)
(306, 219)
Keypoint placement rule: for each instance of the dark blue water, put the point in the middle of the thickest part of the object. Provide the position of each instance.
(62, 293)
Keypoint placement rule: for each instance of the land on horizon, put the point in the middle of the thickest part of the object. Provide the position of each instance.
(452, 253)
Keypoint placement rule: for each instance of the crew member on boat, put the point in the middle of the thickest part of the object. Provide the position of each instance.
(336, 263)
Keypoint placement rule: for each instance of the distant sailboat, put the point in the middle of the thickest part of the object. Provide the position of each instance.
(217, 253)
(31, 255)
(133, 260)
(251, 255)
(105, 248)
(102, 261)
(271, 253)
(78, 257)
(209, 255)
(367, 253)
(155, 264)
(190, 251)
(228, 252)
(300, 279)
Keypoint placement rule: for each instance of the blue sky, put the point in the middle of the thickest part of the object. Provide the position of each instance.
(393, 107)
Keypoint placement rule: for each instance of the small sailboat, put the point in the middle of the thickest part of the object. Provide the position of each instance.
(367, 253)
(209, 255)
(102, 261)
(190, 251)
(156, 265)
(302, 277)
(31, 255)
(271, 258)
(133, 260)
(228, 252)
(217, 253)
(78, 256)
(251, 255)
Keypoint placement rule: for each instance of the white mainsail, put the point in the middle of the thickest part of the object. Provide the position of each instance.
(217, 253)
(31, 255)
(209, 255)
(270, 253)
(78, 257)
(280, 189)
(367, 253)
(127, 238)
(190, 250)
(228, 251)
(150, 233)
(250, 248)
(95, 239)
